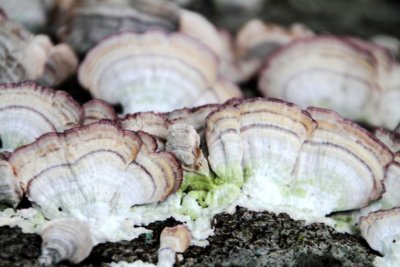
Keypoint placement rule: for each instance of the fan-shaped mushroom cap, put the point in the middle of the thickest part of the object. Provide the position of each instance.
(91, 21)
(28, 111)
(95, 174)
(381, 230)
(344, 156)
(358, 79)
(65, 239)
(27, 57)
(96, 110)
(154, 71)
(294, 155)
(10, 191)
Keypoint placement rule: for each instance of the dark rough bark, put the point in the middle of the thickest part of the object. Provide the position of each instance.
(245, 238)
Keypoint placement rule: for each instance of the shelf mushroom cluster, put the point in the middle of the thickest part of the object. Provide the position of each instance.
(184, 130)
(358, 79)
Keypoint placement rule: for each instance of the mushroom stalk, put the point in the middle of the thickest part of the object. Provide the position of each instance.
(172, 240)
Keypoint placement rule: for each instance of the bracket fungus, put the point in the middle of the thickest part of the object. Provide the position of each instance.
(28, 110)
(290, 159)
(65, 239)
(10, 191)
(28, 57)
(91, 21)
(381, 230)
(360, 80)
(95, 174)
(140, 71)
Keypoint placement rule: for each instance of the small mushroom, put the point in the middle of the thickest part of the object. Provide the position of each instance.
(356, 78)
(27, 57)
(65, 239)
(139, 71)
(28, 110)
(173, 240)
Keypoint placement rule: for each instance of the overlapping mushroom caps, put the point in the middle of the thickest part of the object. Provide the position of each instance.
(360, 80)
(390, 198)
(27, 57)
(312, 161)
(154, 72)
(94, 174)
(27, 111)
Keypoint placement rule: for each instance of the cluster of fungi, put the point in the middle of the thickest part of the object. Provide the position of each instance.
(83, 166)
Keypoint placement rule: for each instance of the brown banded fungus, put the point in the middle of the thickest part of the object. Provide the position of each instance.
(27, 57)
(291, 158)
(154, 72)
(95, 174)
(27, 111)
(360, 80)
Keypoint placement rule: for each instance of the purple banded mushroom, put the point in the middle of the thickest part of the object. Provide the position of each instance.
(28, 110)
(382, 232)
(154, 72)
(291, 158)
(390, 198)
(360, 80)
(93, 174)
(28, 57)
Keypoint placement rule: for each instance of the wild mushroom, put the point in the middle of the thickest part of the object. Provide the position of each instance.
(27, 57)
(65, 239)
(360, 80)
(10, 191)
(382, 232)
(91, 21)
(94, 174)
(390, 198)
(28, 110)
(172, 240)
(290, 159)
(140, 71)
